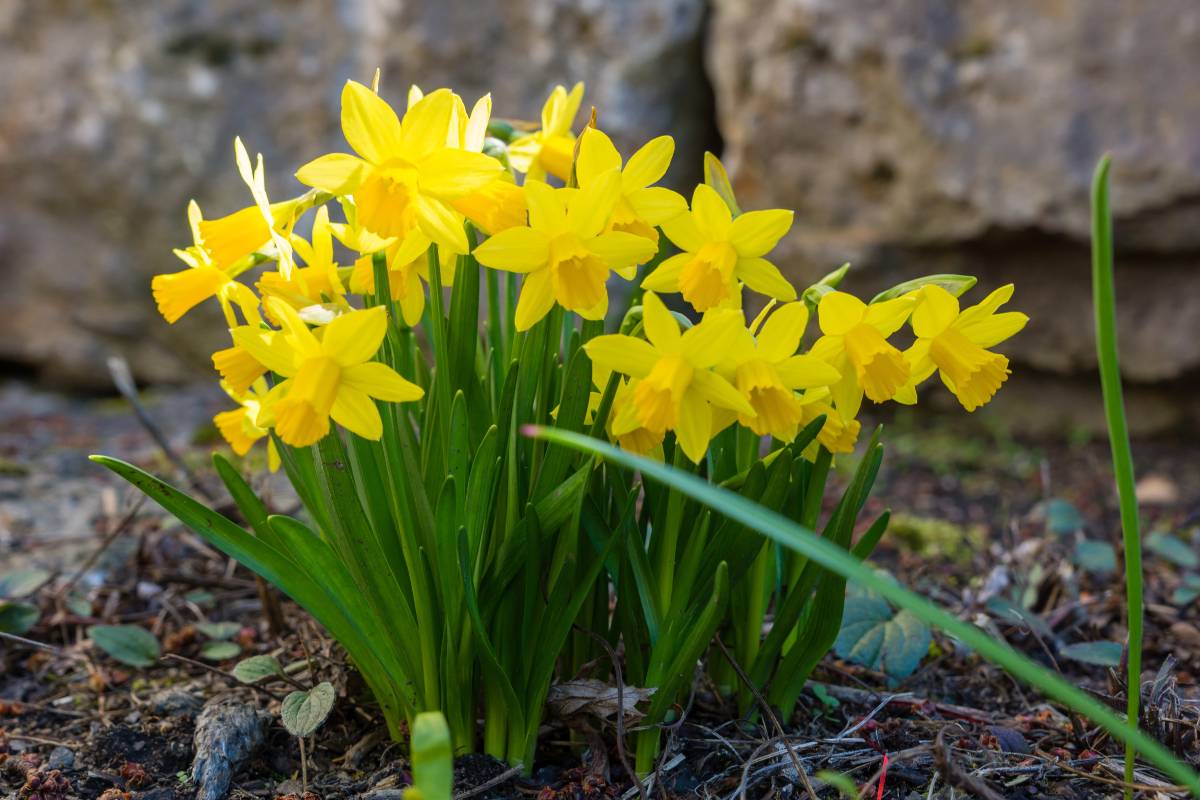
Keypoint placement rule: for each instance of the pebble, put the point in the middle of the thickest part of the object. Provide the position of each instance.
(227, 734)
(61, 758)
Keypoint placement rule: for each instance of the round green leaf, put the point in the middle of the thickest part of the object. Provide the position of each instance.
(129, 644)
(22, 582)
(219, 630)
(876, 636)
(255, 668)
(220, 650)
(303, 712)
(17, 618)
(1095, 556)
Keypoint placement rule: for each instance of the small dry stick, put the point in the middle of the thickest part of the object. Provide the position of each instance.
(766, 709)
(303, 767)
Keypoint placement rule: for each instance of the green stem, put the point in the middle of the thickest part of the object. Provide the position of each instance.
(1104, 301)
(834, 558)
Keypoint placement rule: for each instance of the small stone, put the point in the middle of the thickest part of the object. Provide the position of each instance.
(227, 734)
(175, 703)
(61, 758)
(1157, 490)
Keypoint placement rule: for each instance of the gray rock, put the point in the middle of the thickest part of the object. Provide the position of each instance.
(61, 758)
(227, 734)
(175, 703)
(117, 114)
(931, 136)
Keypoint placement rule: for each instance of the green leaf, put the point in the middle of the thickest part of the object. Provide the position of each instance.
(956, 285)
(813, 294)
(1095, 556)
(22, 582)
(220, 650)
(829, 555)
(219, 630)
(1062, 517)
(876, 636)
(432, 758)
(1102, 654)
(1173, 549)
(129, 644)
(17, 618)
(837, 780)
(304, 712)
(256, 668)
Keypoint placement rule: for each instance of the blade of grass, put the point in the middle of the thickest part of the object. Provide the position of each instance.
(832, 557)
(1104, 303)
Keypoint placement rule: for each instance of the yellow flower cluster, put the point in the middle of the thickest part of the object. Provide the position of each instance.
(412, 183)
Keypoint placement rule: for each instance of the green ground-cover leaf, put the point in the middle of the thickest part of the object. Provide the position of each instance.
(129, 644)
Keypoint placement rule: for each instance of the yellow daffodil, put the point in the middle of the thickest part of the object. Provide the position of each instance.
(639, 439)
(240, 426)
(318, 282)
(237, 367)
(405, 175)
(676, 380)
(328, 377)
(551, 149)
(720, 250)
(177, 293)
(955, 343)
(855, 344)
(838, 434)
(564, 252)
(768, 372)
(642, 207)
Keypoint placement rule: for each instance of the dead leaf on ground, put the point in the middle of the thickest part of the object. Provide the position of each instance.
(589, 696)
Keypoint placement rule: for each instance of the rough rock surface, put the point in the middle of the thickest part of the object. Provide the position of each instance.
(960, 137)
(116, 114)
(910, 137)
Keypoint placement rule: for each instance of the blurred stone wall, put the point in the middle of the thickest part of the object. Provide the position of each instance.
(929, 135)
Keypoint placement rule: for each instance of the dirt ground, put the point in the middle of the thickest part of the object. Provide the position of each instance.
(987, 525)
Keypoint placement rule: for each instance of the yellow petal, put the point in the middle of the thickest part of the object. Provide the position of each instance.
(715, 389)
(477, 123)
(755, 233)
(382, 382)
(659, 323)
(712, 215)
(935, 310)
(238, 367)
(887, 317)
(597, 155)
(684, 231)
(806, 372)
(369, 123)
(179, 292)
(269, 348)
(780, 336)
(425, 125)
(590, 208)
(649, 163)
(515, 250)
(990, 331)
(694, 426)
(357, 412)
(665, 277)
(546, 210)
(988, 305)
(621, 250)
(765, 278)
(448, 173)
(838, 312)
(713, 338)
(624, 354)
(336, 173)
(355, 337)
(657, 204)
(537, 298)
(442, 224)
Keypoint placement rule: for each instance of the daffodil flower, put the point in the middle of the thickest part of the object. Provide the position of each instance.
(177, 293)
(720, 250)
(838, 434)
(642, 207)
(404, 176)
(768, 372)
(955, 343)
(551, 149)
(240, 427)
(564, 252)
(676, 383)
(855, 344)
(328, 377)
(315, 283)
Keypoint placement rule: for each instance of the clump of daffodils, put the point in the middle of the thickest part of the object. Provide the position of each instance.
(574, 225)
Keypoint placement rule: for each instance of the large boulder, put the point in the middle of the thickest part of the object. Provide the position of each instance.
(115, 114)
(939, 136)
